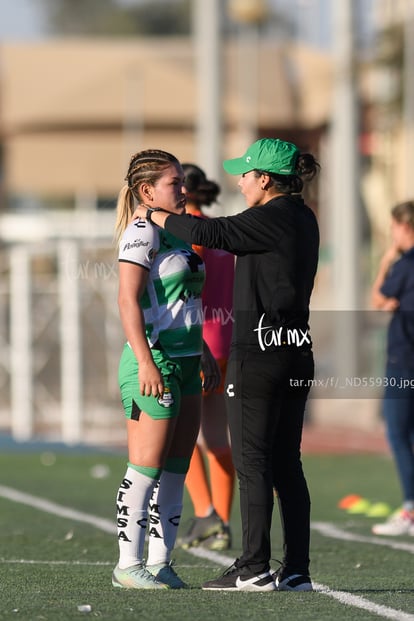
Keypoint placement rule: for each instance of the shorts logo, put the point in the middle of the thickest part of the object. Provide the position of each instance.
(166, 399)
(230, 390)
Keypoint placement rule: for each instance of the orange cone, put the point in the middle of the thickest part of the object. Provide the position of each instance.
(348, 501)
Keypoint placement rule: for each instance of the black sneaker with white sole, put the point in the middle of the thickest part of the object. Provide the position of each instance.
(291, 582)
(241, 579)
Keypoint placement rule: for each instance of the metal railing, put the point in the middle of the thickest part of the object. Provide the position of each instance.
(60, 335)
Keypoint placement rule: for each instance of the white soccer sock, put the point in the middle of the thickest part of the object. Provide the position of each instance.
(164, 517)
(132, 514)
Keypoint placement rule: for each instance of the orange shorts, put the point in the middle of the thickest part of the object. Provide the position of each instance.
(222, 362)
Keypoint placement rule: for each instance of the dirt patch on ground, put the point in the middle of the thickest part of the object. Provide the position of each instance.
(318, 439)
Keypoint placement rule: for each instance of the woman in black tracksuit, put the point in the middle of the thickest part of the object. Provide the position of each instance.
(271, 366)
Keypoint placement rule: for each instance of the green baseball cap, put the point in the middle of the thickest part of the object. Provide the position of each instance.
(268, 154)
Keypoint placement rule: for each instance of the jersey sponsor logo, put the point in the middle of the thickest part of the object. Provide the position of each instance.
(166, 399)
(230, 390)
(137, 243)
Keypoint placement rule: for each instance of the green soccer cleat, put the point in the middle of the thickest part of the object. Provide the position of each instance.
(136, 577)
(165, 573)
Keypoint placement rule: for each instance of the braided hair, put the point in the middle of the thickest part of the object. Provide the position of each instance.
(144, 167)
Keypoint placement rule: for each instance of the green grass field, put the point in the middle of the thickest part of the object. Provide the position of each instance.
(53, 561)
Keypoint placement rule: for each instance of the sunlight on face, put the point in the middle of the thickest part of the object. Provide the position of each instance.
(251, 187)
(168, 191)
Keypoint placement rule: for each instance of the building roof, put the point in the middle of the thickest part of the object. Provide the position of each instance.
(72, 111)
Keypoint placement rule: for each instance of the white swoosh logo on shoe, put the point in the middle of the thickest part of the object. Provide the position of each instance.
(240, 582)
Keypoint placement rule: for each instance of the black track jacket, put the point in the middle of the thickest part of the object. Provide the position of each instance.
(277, 248)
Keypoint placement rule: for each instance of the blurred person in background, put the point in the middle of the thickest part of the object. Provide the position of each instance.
(276, 240)
(393, 291)
(160, 284)
(211, 495)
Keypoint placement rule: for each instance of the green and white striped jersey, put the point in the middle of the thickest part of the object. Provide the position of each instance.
(171, 302)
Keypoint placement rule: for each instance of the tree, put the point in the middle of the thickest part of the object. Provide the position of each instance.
(117, 17)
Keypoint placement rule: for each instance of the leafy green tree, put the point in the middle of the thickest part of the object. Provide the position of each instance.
(118, 17)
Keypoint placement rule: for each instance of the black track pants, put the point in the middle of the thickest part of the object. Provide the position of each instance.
(266, 394)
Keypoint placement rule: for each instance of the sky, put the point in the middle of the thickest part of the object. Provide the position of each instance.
(22, 19)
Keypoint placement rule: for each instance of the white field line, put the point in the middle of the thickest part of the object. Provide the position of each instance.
(25, 561)
(51, 507)
(220, 559)
(329, 530)
(345, 598)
